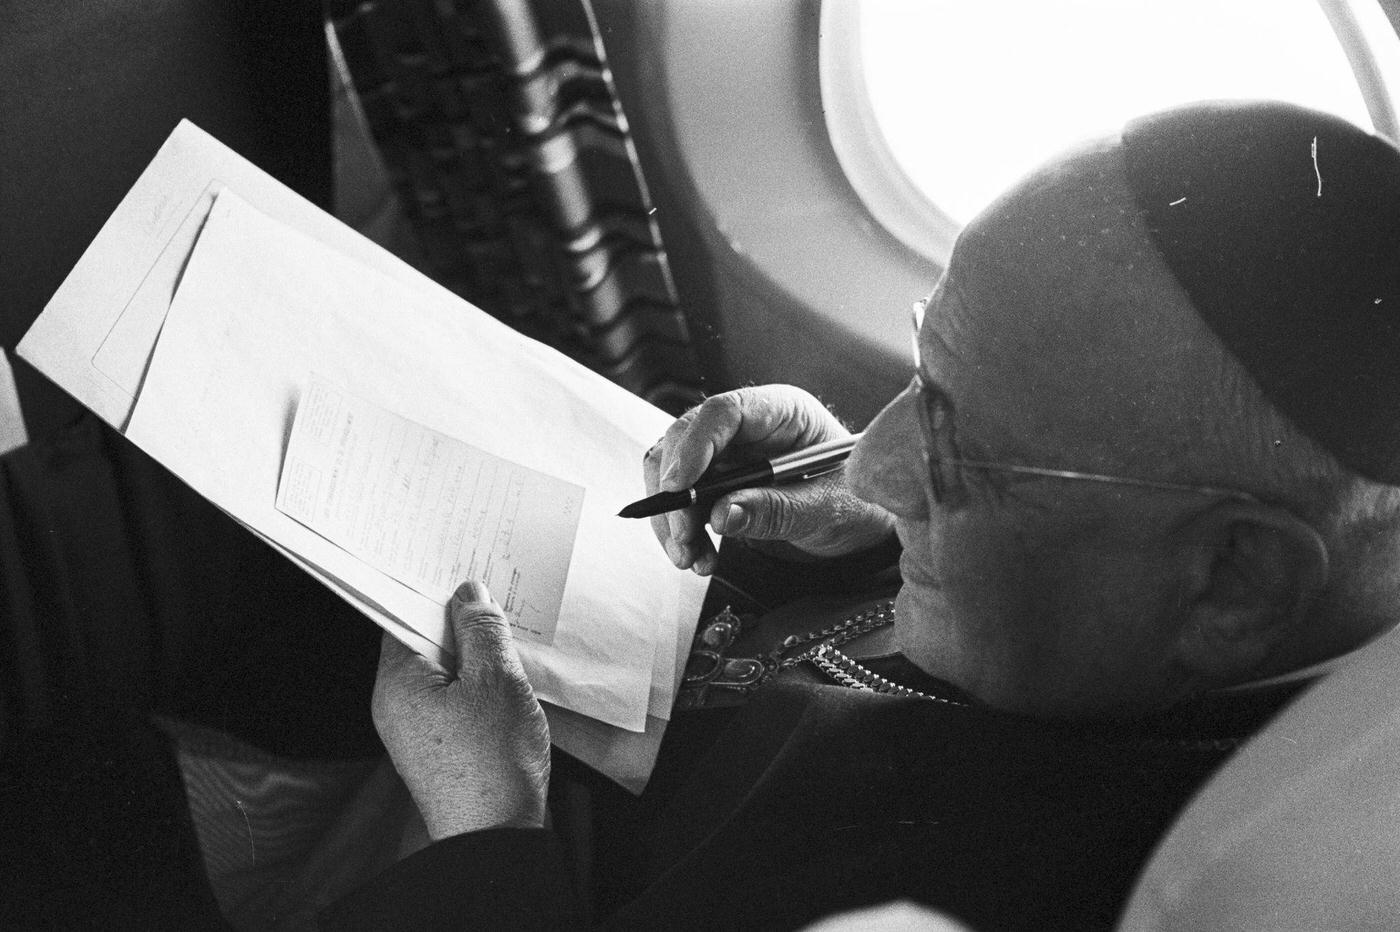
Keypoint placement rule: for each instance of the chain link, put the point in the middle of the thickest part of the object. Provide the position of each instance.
(823, 654)
(840, 632)
(850, 673)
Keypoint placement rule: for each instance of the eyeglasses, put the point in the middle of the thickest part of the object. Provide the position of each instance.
(945, 467)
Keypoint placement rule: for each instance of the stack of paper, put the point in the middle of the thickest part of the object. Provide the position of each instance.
(388, 437)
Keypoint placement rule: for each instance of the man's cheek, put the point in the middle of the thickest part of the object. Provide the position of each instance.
(969, 549)
(990, 571)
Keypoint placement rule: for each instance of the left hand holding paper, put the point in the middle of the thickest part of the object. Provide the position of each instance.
(472, 743)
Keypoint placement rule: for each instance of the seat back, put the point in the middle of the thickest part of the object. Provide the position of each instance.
(89, 91)
(1301, 829)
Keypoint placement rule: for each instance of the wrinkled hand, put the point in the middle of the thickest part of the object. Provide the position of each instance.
(472, 744)
(821, 518)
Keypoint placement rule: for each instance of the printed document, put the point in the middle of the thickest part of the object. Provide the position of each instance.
(429, 510)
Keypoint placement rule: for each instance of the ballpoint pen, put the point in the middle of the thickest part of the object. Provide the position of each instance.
(805, 464)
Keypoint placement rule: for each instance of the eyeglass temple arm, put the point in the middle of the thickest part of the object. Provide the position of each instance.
(1106, 480)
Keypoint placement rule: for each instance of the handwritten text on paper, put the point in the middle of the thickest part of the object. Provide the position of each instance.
(427, 509)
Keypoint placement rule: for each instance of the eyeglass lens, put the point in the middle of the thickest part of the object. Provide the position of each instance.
(936, 424)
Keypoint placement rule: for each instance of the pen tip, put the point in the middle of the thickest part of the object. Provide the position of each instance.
(658, 504)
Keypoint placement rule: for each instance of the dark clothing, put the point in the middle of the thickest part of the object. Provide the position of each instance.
(124, 595)
(815, 798)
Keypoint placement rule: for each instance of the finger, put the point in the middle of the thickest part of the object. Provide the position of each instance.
(697, 554)
(705, 563)
(480, 629)
(695, 439)
(681, 532)
(759, 514)
(763, 420)
(688, 545)
(397, 659)
(651, 474)
(393, 653)
(688, 541)
(401, 675)
(821, 518)
(651, 466)
(691, 544)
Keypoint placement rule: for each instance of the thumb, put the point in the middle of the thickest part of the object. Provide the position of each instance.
(479, 629)
(762, 514)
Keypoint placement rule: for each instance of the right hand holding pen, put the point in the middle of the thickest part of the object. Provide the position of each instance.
(821, 517)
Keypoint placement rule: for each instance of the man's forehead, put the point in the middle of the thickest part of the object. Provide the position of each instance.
(1121, 278)
(1065, 250)
(1057, 328)
(1075, 211)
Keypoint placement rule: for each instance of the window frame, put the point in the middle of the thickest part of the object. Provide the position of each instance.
(915, 218)
(861, 147)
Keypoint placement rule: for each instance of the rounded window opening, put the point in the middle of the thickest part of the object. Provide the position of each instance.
(936, 106)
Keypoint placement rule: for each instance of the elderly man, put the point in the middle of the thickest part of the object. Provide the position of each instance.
(1141, 489)
(1144, 483)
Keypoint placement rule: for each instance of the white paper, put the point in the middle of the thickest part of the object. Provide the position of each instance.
(97, 332)
(220, 394)
(428, 509)
(96, 336)
(627, 757)
(126, 349)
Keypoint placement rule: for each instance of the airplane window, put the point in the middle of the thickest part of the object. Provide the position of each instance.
(963, 98)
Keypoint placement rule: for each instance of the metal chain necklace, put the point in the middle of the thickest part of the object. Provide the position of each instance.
(836, 634)
(850, 673)
(713, 679)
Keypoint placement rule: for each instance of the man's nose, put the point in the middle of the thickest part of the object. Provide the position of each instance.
(888, 467)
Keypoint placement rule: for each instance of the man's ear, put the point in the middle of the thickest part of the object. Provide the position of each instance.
(1249, 571)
